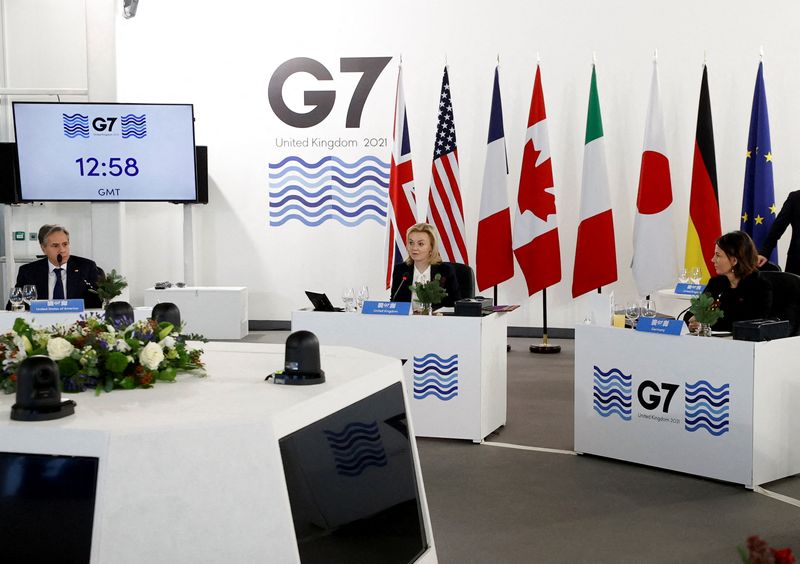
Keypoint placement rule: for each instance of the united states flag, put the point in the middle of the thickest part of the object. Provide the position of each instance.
(402, 210)
(445, 210)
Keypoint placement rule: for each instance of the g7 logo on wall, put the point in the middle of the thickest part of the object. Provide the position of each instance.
(322, 101)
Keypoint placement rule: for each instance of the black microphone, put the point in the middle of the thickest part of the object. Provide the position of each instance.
(403, 281)
(680, 315)
(59, 259)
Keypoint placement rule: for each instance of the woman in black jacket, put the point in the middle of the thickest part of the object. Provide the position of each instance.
(422, 265)
(742, 294)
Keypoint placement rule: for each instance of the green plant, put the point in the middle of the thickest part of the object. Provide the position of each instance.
(706, 309)
(431, 292)
(109, 286)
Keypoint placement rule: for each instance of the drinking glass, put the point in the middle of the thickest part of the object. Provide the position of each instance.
(632, 312)
(363, 295)
(694, 275)
(648, 308)
(349, 299)
(15, 297)
(29, 293)
(683, 276)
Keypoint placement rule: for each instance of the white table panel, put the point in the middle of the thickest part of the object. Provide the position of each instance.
(459, 364)
(216, 312)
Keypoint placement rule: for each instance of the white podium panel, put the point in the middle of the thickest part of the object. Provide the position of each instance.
(215, 312)
(712, 407)
(454, 367)
(192, 472)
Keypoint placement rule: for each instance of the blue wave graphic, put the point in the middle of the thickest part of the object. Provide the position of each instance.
(334, 172)
(356, 447)
(436, 358)
(134, 126)
(436, 376)
(326, 199)
(330, 158)
(424, 376)
(607, 412)
(315, 223)
(343, 211)
(612, 393)
(330, 189)
(701, 398)
(76, 125)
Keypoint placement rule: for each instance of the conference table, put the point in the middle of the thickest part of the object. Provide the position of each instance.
(454, 367)
(195, 471)
(707, 406)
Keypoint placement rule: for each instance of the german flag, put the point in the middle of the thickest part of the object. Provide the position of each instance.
(704, 225)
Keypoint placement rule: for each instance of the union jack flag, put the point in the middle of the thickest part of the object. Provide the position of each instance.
(402, 200)
(445, 210)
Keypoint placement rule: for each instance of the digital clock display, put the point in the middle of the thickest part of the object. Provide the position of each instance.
(105, 152)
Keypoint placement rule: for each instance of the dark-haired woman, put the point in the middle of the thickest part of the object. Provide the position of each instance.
(741, 292)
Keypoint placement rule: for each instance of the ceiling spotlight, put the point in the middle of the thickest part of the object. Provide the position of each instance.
(129, 8)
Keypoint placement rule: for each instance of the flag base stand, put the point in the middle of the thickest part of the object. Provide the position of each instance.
(545, 347)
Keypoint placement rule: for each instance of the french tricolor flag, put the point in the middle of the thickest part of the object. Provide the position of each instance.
(494, 256)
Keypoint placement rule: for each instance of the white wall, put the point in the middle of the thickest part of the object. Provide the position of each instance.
(220, 57)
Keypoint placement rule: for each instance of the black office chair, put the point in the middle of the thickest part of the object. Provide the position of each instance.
(119, 314)
(167, 311)
(769, 267)
(465, 277)
(785, 298)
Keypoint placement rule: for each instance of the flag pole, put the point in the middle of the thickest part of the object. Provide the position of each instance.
(544, 347)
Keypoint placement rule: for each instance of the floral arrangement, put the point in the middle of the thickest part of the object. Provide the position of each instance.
(431, 292)
(759, 552)
(92, 353)
(109, 286)
(706, 309)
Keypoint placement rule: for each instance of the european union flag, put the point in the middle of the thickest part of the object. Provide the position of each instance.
(758, 201)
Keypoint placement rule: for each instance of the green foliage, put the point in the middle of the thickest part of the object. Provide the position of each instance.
(110, 286)
(706, 309)
(116, 362)
(431, 292)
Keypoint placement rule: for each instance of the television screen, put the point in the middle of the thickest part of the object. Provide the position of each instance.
(48, 505)
(352, 485)
(105, 152)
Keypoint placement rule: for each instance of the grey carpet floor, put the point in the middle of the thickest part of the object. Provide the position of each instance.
(495, 504)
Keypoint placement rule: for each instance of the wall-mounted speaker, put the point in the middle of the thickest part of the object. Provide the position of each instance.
(201, 158)
(9, 178)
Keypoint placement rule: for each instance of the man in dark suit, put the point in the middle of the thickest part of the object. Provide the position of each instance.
(789, 215)
(60, 275)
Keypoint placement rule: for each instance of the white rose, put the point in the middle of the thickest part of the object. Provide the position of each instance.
(151, 356)
(168, 342)
(58, 348)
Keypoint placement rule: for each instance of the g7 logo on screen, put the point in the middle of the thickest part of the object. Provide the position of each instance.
(653, 399)
(323, 100)
(101, 124)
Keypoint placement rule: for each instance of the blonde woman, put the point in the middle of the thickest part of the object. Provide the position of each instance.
(422, 265)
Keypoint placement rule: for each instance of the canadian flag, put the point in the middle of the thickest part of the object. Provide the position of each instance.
(535, 232)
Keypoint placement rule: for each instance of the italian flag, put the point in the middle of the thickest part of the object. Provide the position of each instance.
(595, 252)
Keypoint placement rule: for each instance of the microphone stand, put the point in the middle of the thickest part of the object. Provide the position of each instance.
(544, 347)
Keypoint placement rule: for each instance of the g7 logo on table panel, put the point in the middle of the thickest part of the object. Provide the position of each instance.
(612, 393)
(436, 376)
